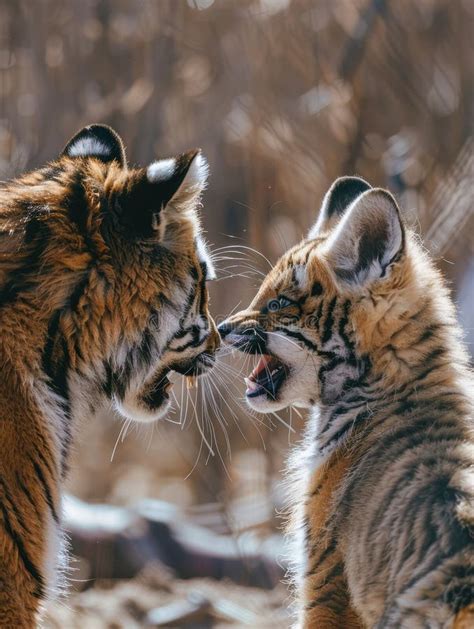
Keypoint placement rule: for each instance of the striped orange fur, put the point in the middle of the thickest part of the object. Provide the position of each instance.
(465, 618)
(102, 293)
(356, 324)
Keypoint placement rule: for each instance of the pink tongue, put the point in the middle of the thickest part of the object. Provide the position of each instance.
(261, 366)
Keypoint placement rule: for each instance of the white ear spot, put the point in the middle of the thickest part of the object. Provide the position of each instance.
(87, 147)
(198, 172)
(161, 170)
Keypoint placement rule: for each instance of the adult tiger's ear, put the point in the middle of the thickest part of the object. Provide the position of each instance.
(367, 240)
(99, 141)
(151, 195)
(337, 200)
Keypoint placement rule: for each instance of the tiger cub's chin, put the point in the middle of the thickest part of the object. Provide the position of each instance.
(273, 385)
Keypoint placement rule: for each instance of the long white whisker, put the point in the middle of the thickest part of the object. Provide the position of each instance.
(122, 428)
(196, 461)
(247, 248)
(282, 421)
(200, 428)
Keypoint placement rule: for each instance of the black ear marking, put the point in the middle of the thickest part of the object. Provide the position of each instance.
(343, 192)
(99, 141)
(167, 175)
(140, 205)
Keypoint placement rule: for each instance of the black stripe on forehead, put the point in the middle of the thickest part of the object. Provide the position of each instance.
(199, 272)
(191, 297)
(203, 289)
(286, 277)
(302, 255)
(199, 275)
(196, 292)
(195, 272)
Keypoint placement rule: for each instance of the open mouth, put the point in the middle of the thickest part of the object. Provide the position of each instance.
(199, 365)
(266, 378)
(159, 390)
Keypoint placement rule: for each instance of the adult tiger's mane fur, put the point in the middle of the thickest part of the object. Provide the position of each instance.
(357, 324)
(102, 293)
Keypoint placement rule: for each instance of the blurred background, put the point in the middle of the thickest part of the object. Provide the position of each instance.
(179, 524)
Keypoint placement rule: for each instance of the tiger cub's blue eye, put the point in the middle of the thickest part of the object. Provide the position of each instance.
(274, 305)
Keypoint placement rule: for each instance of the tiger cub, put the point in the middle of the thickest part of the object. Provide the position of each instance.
(356, 324)
(102, 293)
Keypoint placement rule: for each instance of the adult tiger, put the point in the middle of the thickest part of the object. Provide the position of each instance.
(356, 323)
(102, 292)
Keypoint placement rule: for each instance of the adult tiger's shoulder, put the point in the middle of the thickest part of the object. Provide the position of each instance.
(102, 293)
(357, 324)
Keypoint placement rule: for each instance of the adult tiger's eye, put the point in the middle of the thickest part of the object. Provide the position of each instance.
(273, 305)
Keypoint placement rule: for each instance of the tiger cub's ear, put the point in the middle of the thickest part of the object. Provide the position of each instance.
(367, 240)
(99, 141)
(338, 198)
(166, 186)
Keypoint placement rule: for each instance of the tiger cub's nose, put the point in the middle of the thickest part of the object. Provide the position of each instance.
(224, 328)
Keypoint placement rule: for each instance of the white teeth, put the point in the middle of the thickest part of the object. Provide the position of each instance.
(251, 385)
